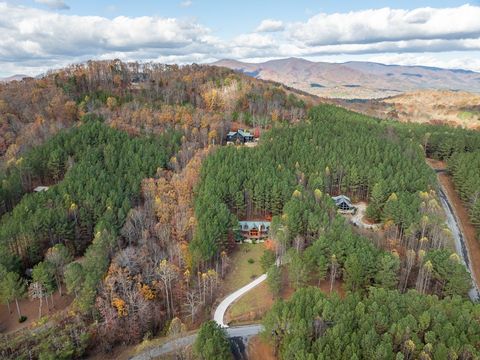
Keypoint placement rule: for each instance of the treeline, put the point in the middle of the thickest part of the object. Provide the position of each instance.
(382, 325)
(460, 149)
(139, 98)
(441, 142)
(465, 170)
(98, 170)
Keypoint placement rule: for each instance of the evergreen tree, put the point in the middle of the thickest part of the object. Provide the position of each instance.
(387, 275)
(274, 280)
(212, 343)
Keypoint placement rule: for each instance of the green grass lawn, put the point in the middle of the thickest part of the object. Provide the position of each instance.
(257, 300)
(242, 272)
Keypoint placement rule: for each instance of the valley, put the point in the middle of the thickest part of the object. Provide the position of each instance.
(224, 180)
(152, 223)
(356, 80)
(402, 93)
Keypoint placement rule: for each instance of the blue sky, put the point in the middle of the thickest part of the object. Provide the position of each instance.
(41, 34)
(235, 17)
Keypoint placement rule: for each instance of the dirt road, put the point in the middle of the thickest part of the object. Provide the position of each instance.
(466, 245)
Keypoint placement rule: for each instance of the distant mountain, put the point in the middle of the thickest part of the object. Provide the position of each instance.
(13, 78)
(357, 80)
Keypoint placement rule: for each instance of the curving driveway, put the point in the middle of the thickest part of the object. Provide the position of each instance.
(245, 331)
(221, 309)
(179, 343)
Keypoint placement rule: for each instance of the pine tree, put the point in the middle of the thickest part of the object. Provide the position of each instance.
(212, 343)
(274, 280)
(387, 275)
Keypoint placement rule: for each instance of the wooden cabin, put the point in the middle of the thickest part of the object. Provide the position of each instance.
(240, 136)
(254, 229)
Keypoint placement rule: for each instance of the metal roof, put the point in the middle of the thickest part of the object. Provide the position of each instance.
(249, 225)
(341, 198)
(40, 188)
(244, 133)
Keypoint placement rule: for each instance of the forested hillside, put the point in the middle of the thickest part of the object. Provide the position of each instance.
(335, 152)
(120, 147)
(140, 98)
(292, 174)
(140, 217)
(99, 171)
(382, 325)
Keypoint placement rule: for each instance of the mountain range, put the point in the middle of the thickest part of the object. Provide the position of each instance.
(17, 77)
(356, 80)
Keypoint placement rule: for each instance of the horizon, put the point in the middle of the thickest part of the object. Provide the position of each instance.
(42, 35)
(214, 63)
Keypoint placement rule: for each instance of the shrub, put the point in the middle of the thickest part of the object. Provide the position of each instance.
(251, 261)
(22, 319)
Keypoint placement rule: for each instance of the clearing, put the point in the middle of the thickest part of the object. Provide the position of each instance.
(242, 271)
(29, 308)
(253, 306)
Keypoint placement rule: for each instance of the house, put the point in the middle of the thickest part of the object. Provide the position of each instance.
(254, 229)
(344, 204)
(240, 136)
(40, 188)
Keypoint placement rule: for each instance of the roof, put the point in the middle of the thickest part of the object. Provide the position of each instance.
(254, 224)
(40, 188)
(244, 133)
(231, 133)
(342, 198)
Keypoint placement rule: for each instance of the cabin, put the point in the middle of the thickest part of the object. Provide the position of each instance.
(40, 188)
(254, 229)
(240, 136)
(344, 204)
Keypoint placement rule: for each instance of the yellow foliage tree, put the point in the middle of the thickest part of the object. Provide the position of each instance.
(147, 292)
(120, 305)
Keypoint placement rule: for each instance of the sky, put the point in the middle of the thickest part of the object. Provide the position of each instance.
(38, 35)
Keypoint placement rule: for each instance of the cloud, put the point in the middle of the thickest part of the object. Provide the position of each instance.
(34, 40)
(377, 25)
(186, 3)
(29, 33)
(269, 25)
(54, 4)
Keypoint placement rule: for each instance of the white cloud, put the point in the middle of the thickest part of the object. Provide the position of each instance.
(454, 61)
(377, 25)
(29, 33)
(186, 3)
(54, 4)
(269, 25)
(33, 39)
